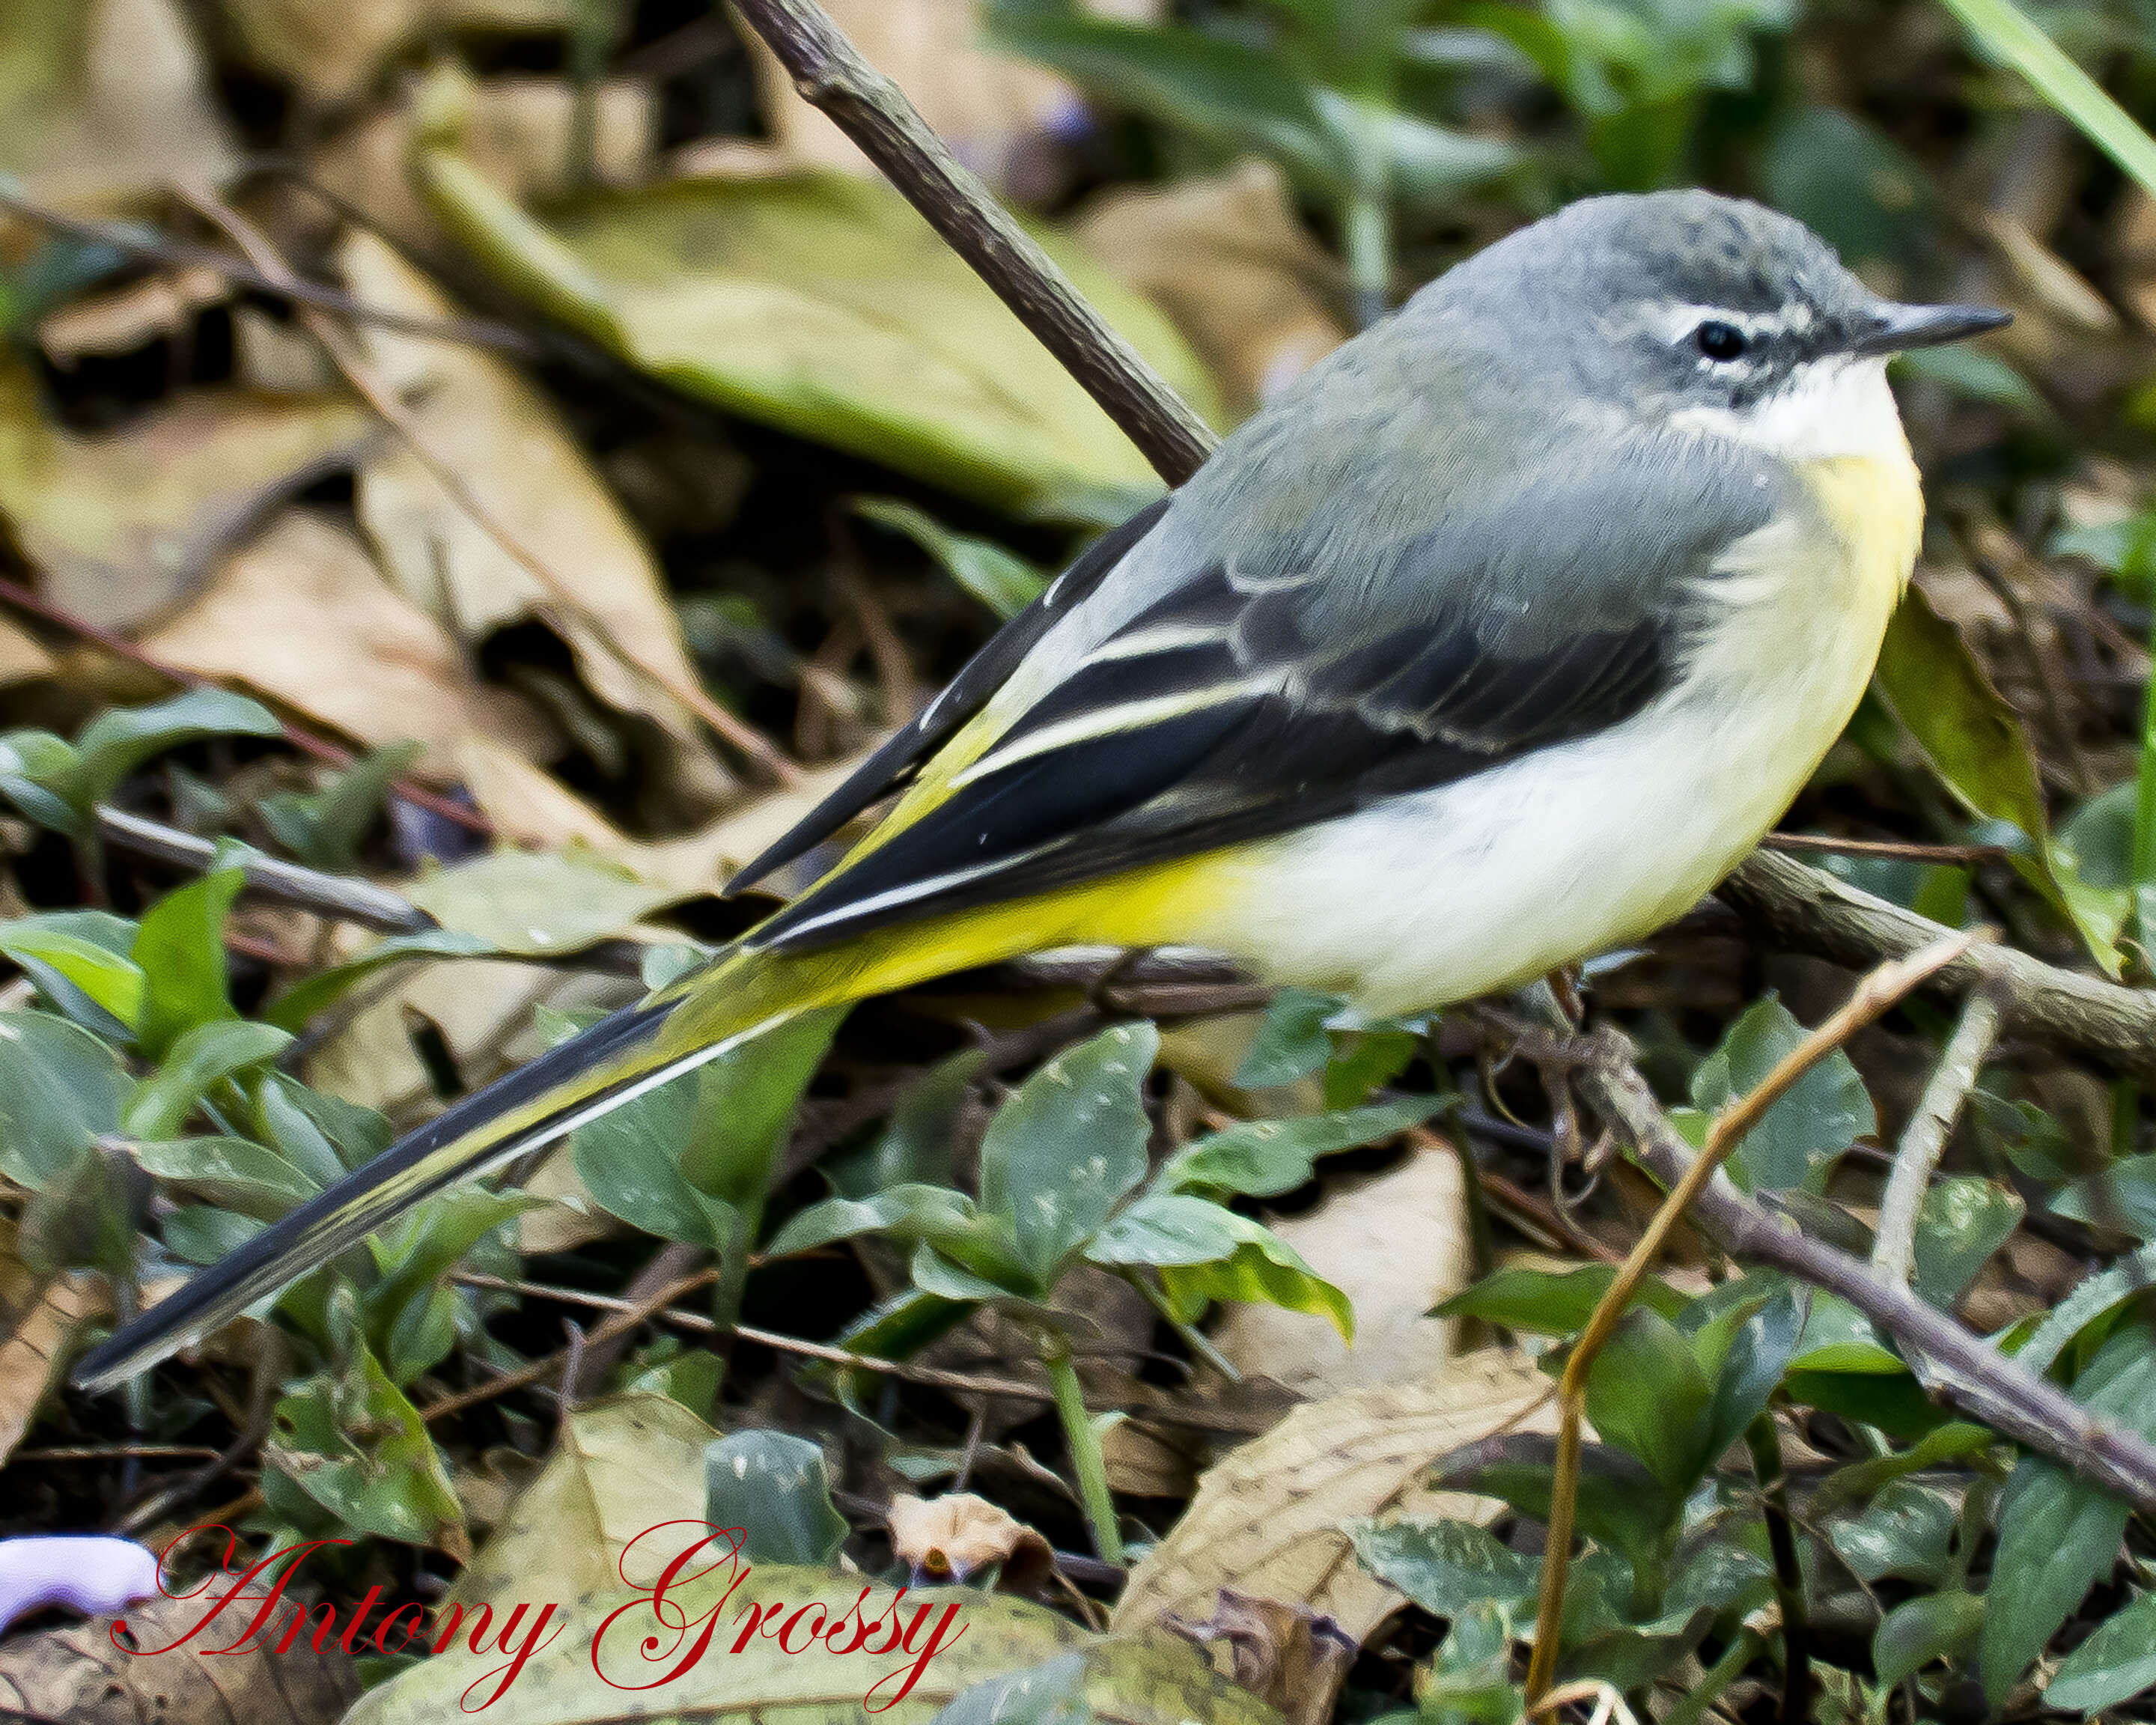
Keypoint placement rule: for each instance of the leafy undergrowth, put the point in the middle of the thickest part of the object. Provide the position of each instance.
(392, 677)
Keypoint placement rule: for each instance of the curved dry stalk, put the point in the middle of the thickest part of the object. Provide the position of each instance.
(1873, 996)
(1894, 1252)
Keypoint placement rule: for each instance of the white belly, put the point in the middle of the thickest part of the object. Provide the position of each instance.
(1488, 883)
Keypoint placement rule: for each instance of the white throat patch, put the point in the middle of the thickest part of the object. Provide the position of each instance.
(1840, 405)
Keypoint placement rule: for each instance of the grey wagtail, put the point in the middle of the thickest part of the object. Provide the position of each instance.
(1493, 642)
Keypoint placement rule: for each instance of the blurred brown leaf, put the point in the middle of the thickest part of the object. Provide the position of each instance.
(77, 1674)
(999, 115)
(517, 135)
(38, 1316)
(302, 615)
(104, 102)
(1228, 260)
(1396, 1243)
(509, 446)
(1266, 1519)
(157, 305)
(122, 527)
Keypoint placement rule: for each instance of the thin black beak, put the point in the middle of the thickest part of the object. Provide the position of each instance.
(1896, 328)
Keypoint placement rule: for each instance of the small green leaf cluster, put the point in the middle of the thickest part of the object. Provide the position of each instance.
(1064, 1180)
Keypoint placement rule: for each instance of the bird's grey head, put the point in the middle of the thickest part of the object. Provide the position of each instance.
(1708, 313)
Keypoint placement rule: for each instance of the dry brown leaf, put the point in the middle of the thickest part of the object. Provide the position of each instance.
(38, 1316)
(1266, 1519)
(106, 102)
(302, 615)
(1228, 261)
(483, 1008)
(996, 112)
(21, 655)
(1396, 1243)
(531, 808)
(122, 527)
(957, 1535)
(508, 445)
(128, 317)
(623, 1464)
(78, 1675)
(1287, 1655)
(517, 134)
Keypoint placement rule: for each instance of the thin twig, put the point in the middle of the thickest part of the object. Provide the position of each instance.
(1804, 910)
(339, 896)
(149, 246)
(330, 754)
(390, 408)
(1962, 1371)
(929, 1376)
(1873, 996)
(1898, 849)
(829, 72)
(535, 1371)
(1894, 1252)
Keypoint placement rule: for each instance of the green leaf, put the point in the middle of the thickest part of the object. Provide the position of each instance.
(181, 949)
(1263, 1268)
(410, 1312)
(325, 828)
(1471, 1680)
(2114, 1664)
(1975, 740)
(1965, 1220)
(1003, 580)
(773, 1487)
(1444, 1567)
(60, 1090)
(2123, 1196)
(1645, 1393)
(1907, 1532)
(1800, 1137)
(58, 960)
(351, 1443)
(117, 741)
(822, 304)
(299, 1005)
(1620, 1504)
(1268, 1156)
(1051, 1693)
(229, 1172)
(684, 1160)
(161, 1104)
(1231, 91)
(2008, 35)
(539, 903)
(915, 1214)
(1748, 1369)
(1554, 1303)
(1291, 1041)
(27, 760)
(1920, 1631)
(746, 1101)
(2059, 1535)
(1069, 1144)
(919, 1144)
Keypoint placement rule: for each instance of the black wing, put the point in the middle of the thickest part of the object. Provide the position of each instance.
(1235, 727)
(893, 764)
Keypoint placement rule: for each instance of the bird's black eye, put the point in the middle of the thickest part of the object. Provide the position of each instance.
(1720, 342)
